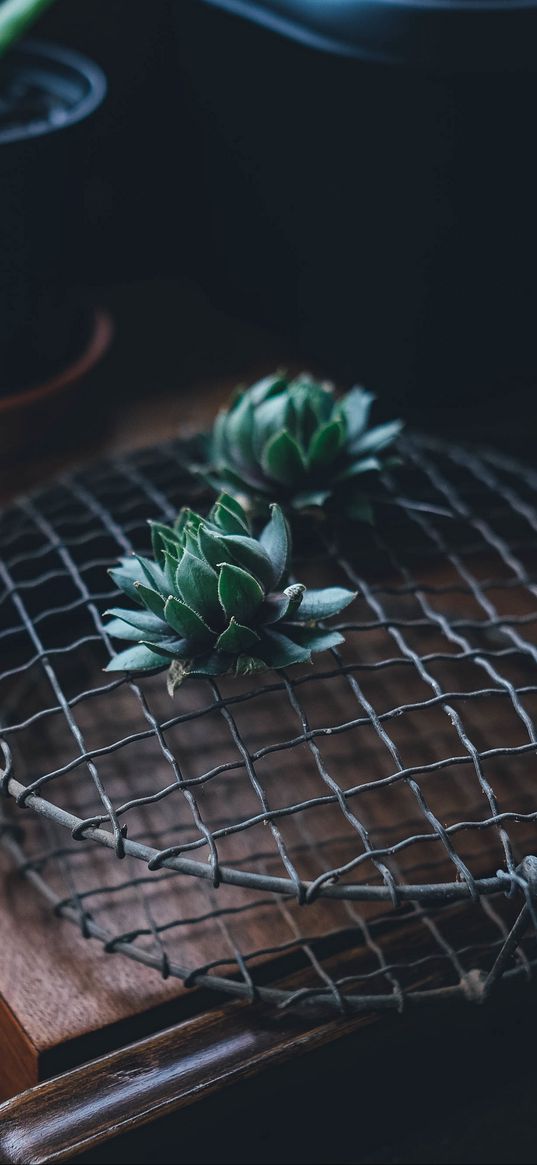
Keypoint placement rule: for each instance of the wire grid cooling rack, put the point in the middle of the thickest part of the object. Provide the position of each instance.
(357, 833)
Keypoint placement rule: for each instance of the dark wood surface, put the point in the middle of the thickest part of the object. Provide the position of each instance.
(174, 359)
(148, 1081)
(436, 1085)
(75, 1000)
(152, 1079)
(49, 1002)
(463, 1066)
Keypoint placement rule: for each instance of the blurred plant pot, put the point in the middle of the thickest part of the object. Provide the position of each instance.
(47, 95)
(370, 184)
(49, 419)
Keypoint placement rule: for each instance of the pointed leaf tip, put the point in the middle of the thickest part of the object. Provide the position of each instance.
(240, 594)
(282, 460)
(136, 659)
(320, 604)
(276, 541)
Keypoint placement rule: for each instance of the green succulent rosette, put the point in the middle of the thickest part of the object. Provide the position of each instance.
(215, 599)
(297, 443)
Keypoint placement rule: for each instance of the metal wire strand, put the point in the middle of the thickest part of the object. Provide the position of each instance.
(307, 788)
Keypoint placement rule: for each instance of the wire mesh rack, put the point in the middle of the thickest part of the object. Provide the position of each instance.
(358, 833)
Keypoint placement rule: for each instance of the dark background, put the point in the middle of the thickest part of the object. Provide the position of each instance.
(190, 313)
(251, 202)
(378, 218)
(137, 188)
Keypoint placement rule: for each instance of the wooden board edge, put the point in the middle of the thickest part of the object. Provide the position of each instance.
(19, 1062)
(63, 1117)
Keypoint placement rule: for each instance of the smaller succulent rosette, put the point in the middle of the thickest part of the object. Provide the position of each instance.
(215, 599)
(296, 442)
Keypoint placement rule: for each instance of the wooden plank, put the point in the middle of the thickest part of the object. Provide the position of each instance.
(84, 1108)
(55, 988)
(153, 1078)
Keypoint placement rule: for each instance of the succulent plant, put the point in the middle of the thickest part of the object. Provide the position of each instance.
(215, 599)
(297, 443)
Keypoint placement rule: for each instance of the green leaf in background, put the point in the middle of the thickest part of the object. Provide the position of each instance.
(295, 442)
(325, 444)
(16, 16)
(282, 459)
(355, 407)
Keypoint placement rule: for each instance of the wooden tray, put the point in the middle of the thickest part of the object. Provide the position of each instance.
(64, 998)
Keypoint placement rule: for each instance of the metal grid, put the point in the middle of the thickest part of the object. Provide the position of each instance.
(390, 788)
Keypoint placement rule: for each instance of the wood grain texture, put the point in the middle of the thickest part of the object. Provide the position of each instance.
(59, 992)
(69, 1114)
(56, 1001)
(55, 986)
(147, 1081)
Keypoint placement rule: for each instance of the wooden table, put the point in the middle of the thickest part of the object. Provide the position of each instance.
(211, 1080)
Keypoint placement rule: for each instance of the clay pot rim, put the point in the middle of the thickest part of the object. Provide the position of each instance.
(97, 345)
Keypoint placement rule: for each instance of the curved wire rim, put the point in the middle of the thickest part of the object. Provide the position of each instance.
(304, 892)
(279, 996)
(425, 893)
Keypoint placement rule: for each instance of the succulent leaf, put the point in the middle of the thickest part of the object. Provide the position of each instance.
(119, 629)
(186, 621)
(170, 648)
(317, 638)
(280, 650)
(143, 621)
(236, 638)
(320, 604)
(368, 465)
(376, 439)
(162, 539)
(281, 458)
(325, 444)
(197, 584)
(218, 599)
(249, 554)
(152, 572)
(355, 407)
(135, 659)
(229, 516)
(239, 592)
(296, 442)
(125, 577)
(153, 600)
(276, 541)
